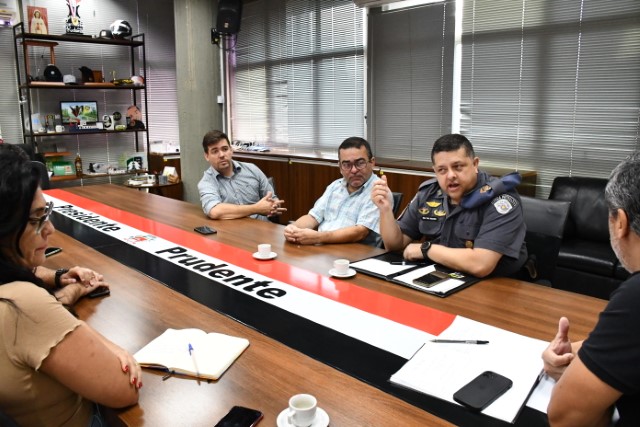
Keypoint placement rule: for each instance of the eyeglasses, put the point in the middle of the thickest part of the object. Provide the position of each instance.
(359, 164)
(40, 221)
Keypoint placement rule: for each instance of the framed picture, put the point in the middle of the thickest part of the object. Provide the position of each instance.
(38, 20)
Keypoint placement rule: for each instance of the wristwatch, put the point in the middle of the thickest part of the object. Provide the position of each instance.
(59, 272)
(425, 249)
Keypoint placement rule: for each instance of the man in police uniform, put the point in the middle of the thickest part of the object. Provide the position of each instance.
(466, 220)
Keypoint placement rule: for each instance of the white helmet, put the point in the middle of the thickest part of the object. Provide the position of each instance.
(120, 29)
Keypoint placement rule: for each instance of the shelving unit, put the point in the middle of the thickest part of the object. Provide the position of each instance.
(33, 91)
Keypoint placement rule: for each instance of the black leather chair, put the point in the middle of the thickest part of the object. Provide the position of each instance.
(38, 160)
(545, 221)
(275, 219)
(397, 199)
(586, 262)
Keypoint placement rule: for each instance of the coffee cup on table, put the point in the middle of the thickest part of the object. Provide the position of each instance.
(264, 250)
(302, 410)
(341, 266)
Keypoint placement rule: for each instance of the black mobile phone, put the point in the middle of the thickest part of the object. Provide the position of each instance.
(431, 279)
(98, 292)
(205, 229)
(52, 251)
(482, 390)
(240, 416)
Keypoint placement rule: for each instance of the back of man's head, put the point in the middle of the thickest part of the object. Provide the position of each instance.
(623, 190)
(356, 142)
(212, 137)
(452, 142)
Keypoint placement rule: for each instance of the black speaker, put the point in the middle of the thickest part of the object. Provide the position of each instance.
(229, 14)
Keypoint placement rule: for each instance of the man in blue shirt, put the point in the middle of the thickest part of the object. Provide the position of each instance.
(345, 212)
(230, 189)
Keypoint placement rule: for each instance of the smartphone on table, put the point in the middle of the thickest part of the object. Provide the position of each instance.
(431, 279)
(99, 292)
(205, 229)
(51, 250)
(240, 416)
(482, 390)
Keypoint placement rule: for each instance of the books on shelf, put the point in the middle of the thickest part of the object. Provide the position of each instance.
(423, 276)
(192, 352)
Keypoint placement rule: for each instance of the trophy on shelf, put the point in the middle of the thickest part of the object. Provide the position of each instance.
(73, 24)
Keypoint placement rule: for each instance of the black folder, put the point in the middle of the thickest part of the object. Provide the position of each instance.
(436, 279)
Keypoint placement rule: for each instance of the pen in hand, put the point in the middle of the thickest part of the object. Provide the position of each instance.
(460, 341)
(193, 358)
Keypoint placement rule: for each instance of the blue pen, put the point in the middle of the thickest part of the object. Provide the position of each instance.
(193, 358)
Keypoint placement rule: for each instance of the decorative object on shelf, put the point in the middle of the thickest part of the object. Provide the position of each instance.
(38, 20)
(63, 169)
(52, 73)
(120, 29)
(73, 24)
(78, 165)
(87, 74)
(105, 34)
(107, 122)
(79, 112)
(69, 79)
(137, 80)
(134, 163)
(134, 118)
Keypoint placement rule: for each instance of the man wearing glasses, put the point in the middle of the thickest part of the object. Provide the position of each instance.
(345, 212)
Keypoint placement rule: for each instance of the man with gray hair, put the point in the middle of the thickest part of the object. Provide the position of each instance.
(603, 371)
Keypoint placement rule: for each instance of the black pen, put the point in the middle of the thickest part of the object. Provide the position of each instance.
(461, 341)
(407, 263)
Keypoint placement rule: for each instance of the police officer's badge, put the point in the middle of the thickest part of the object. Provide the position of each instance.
(504, 204)
(423, 211)
(439, 212)
(433, 203)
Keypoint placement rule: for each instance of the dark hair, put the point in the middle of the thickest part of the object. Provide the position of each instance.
(452, 142)
(623, 188)
(19, 181)
(356, 142)
(212, 137)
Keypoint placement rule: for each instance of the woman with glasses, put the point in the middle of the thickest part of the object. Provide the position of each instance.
(54, 367)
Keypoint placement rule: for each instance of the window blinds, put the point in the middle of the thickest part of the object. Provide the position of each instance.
(297, 73)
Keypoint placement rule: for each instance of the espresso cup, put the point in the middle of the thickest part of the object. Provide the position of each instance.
(341, 266)
(302, 410)
(264, 250)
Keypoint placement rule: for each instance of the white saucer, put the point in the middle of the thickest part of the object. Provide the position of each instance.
(272, 255)
(350, 273)
(322, 419)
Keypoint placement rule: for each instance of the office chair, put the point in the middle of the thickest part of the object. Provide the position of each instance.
(397, 199)
(7, 421)
(274, 219)
(545, 220)
(45, 183)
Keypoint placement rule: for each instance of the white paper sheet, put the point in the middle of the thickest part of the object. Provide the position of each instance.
(440, 369)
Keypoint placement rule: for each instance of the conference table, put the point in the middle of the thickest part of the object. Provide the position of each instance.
(284, 357)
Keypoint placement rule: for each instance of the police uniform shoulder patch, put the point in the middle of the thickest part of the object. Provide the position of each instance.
(504, 203)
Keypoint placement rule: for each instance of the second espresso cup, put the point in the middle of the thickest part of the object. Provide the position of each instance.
(302, 410)
(341, 266)
(264, 250)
